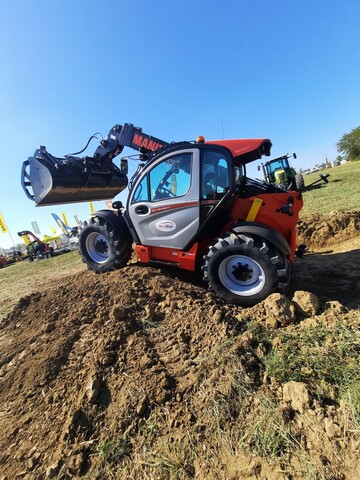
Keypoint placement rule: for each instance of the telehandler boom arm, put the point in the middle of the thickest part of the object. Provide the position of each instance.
(49, 180)
(125, 136)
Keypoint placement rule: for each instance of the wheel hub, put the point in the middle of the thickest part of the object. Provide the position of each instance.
(101, 246)
(241, 275)
(97, 247)
(242, 272)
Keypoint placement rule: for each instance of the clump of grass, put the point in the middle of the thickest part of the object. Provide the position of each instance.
(114, 451)
(172, 465)
(228, 417)
(325, 357)
(153, 451)
(267, 433)
(352, 397)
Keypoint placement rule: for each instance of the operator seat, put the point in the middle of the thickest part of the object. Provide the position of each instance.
(209, 184)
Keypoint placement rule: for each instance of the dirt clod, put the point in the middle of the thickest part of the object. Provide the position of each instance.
(296, 395)
(280, 310)
(306, 304)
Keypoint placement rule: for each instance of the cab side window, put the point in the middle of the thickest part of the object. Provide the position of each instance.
(215, 176)
(171, 178)
(142, 192)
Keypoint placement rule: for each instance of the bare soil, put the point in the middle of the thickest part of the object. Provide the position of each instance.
(101, 374)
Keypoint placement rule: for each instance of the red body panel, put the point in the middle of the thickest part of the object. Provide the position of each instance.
(185, 260)
(270, 214)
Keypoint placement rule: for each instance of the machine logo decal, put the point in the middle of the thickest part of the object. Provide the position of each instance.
(165, 226)
(142, 141)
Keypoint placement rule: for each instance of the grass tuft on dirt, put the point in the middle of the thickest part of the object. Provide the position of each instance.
(325, 357)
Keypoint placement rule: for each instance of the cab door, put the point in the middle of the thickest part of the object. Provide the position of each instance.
(164, 203)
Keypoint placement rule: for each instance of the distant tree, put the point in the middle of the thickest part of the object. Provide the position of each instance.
(349, 144)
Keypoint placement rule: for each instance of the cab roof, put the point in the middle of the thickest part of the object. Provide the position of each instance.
(245, 150)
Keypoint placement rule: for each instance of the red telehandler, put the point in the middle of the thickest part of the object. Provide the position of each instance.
(190, 205)
(35, 248)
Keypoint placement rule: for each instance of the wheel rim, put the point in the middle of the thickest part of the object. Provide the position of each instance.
(97, 247)
(241, 275)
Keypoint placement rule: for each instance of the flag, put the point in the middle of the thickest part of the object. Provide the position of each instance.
(35, 227)
(53, 230)
(65, 218)
(77, 219)
(3, 226)
(26, 239)
(61, 224)
(48, 238)
(92, 208)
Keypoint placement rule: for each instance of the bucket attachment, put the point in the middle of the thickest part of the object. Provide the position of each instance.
(48, 180)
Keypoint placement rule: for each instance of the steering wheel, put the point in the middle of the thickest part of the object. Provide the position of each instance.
(163, 192)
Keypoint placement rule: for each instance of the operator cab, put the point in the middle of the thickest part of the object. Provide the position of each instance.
(175, 193)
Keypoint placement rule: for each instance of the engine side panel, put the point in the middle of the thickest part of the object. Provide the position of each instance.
(279, 211)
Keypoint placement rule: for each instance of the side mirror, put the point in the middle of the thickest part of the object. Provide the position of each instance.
(117, 205)
(124, 168)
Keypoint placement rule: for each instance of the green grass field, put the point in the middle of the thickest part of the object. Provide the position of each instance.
(340, 194)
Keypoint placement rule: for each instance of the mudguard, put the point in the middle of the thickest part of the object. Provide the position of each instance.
(261, 230)
(117, 221)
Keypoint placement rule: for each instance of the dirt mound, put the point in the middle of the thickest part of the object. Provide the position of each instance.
(142, 373)
(330, 267)
(321, 231)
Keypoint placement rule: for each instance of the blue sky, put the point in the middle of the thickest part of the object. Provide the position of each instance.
(279, 69)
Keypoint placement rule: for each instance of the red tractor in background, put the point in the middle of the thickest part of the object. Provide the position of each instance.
(190, 205)
(35, 248)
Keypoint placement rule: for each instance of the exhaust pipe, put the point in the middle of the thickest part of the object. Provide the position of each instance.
(48, 180)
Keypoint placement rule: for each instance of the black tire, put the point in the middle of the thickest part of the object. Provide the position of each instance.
(103, 247)
(244, 270)
(299, 182)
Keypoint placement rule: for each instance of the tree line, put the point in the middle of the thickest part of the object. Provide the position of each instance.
(349, 144)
